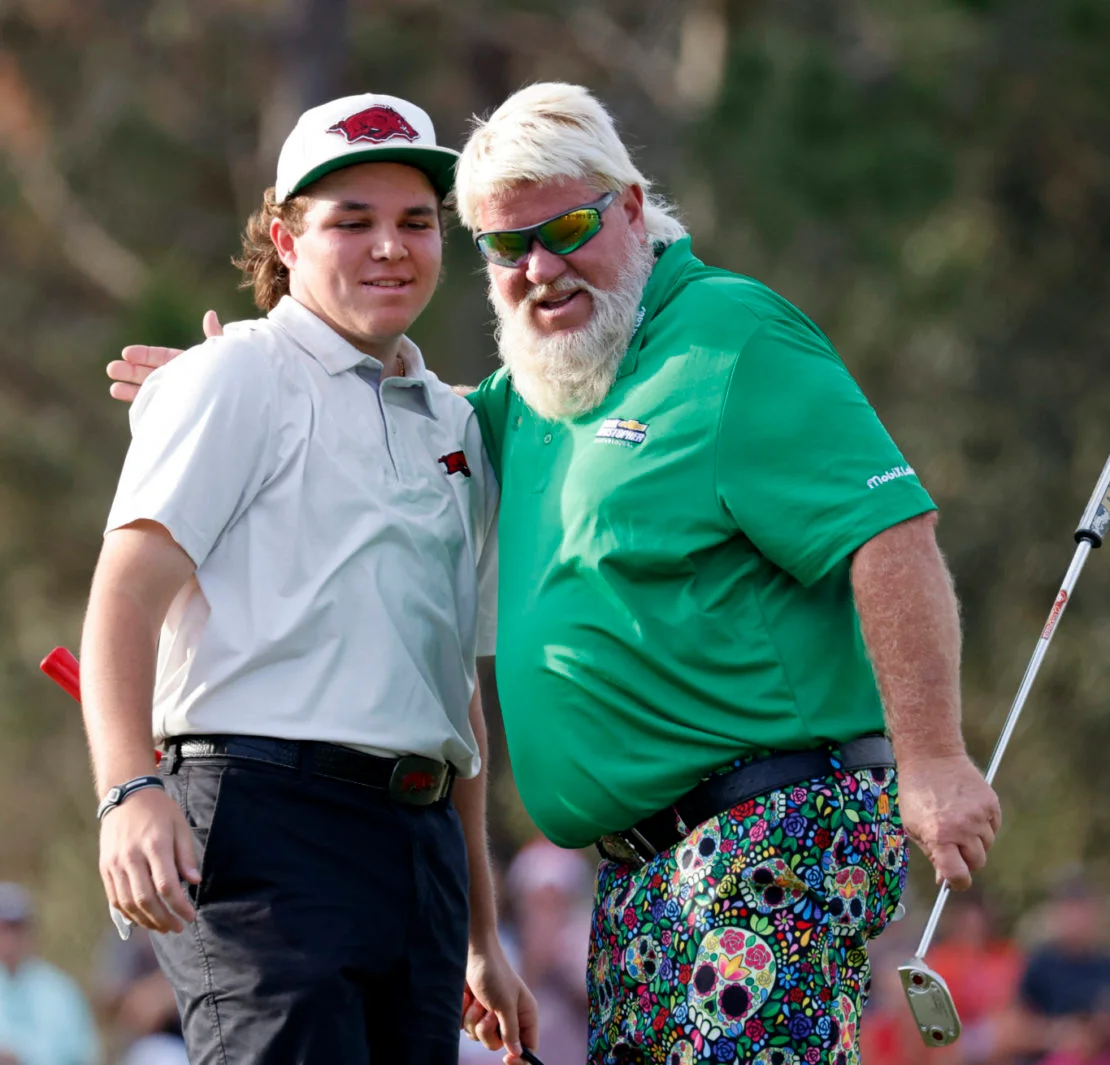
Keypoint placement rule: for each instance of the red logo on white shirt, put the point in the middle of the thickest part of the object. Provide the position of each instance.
(455, 463)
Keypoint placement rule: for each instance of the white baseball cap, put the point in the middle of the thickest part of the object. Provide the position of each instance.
(369, 128)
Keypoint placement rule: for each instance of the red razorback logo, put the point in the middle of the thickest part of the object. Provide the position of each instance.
(455, 463)
(375, 124)
(419, 780)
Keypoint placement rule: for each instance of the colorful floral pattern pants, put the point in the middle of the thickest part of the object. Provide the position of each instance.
(746, 941)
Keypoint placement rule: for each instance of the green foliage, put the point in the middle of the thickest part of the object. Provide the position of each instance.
(930, 182)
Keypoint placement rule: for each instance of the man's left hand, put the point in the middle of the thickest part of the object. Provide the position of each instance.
(950, 812)
(498, 1009)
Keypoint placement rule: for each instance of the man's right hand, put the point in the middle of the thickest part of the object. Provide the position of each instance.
(146, 850)
(139, 361)
(950, 812)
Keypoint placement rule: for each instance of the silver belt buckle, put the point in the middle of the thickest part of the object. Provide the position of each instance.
(629, 848)
(418, 781)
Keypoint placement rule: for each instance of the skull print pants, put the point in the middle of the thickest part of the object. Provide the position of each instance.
(746, 941)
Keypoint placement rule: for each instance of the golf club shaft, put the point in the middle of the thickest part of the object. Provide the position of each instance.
(1092, 528)
(1062, 599)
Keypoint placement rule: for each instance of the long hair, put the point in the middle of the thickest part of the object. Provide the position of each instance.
(262, 270)
(549, 131)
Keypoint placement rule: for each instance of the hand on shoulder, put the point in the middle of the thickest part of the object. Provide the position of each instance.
(138, 361)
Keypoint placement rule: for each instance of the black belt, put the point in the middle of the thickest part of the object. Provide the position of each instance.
(410, 778)
(662, 830)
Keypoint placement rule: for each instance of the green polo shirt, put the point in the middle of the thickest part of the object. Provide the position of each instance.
(674, 586)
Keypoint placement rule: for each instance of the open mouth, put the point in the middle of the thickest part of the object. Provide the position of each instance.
(557, 303)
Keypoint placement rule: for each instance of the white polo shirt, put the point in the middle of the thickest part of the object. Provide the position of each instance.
(344, 535)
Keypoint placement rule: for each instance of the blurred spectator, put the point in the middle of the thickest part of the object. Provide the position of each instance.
(1084, 1039)
(1066, 984)
(548, 896)
(888, 1033)
(136, 1002)
(44, 1018)
(982, 971)
(550, 890)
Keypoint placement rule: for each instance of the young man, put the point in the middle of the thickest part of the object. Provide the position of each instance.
(299, 551)
(722, 585)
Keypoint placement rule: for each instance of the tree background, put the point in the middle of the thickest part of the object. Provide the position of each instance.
(928, 179)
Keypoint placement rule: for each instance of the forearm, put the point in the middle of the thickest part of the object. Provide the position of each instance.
(118, 655)
(470, 801)
(910, 622)
(139, 572)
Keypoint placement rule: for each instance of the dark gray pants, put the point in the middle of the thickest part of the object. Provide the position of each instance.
(332, 922)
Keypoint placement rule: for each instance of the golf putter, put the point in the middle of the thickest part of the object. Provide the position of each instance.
(926, 992)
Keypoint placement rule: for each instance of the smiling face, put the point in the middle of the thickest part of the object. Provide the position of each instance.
(368, 258)
(564, 321)
(555, 289)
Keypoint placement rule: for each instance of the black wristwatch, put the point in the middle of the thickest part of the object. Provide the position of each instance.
(120, 792)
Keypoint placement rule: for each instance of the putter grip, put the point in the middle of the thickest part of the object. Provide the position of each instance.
(62, 668)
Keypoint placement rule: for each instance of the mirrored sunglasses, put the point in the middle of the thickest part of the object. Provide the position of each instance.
(560, 235)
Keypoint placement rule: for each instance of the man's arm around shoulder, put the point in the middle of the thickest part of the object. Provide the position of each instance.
(138, 361)
(910, 623)
(146, 847)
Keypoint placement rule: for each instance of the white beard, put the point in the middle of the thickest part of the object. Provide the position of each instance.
(563, 376)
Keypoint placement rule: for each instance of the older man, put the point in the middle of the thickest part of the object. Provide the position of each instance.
(723, 586)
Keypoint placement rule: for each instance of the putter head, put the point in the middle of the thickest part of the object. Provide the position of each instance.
(930, 1003)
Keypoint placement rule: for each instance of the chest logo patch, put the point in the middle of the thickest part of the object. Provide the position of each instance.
(626, 432)
(455, 462)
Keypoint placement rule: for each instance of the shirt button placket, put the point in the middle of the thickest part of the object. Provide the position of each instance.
(395, 449)
(543, 439)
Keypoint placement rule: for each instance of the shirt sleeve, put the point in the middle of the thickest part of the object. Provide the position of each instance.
(71, 1038)
(491, 401)
(804, 466)
(81, 1032)
(201, 430)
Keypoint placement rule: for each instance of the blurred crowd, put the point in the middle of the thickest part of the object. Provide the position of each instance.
(1040, 996)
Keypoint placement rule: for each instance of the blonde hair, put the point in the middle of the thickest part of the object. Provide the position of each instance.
(262, 268)
(549, 131)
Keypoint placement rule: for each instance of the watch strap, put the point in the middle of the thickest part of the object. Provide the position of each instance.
(115, 795)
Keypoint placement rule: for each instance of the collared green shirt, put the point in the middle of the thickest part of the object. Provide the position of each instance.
(674, 586)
